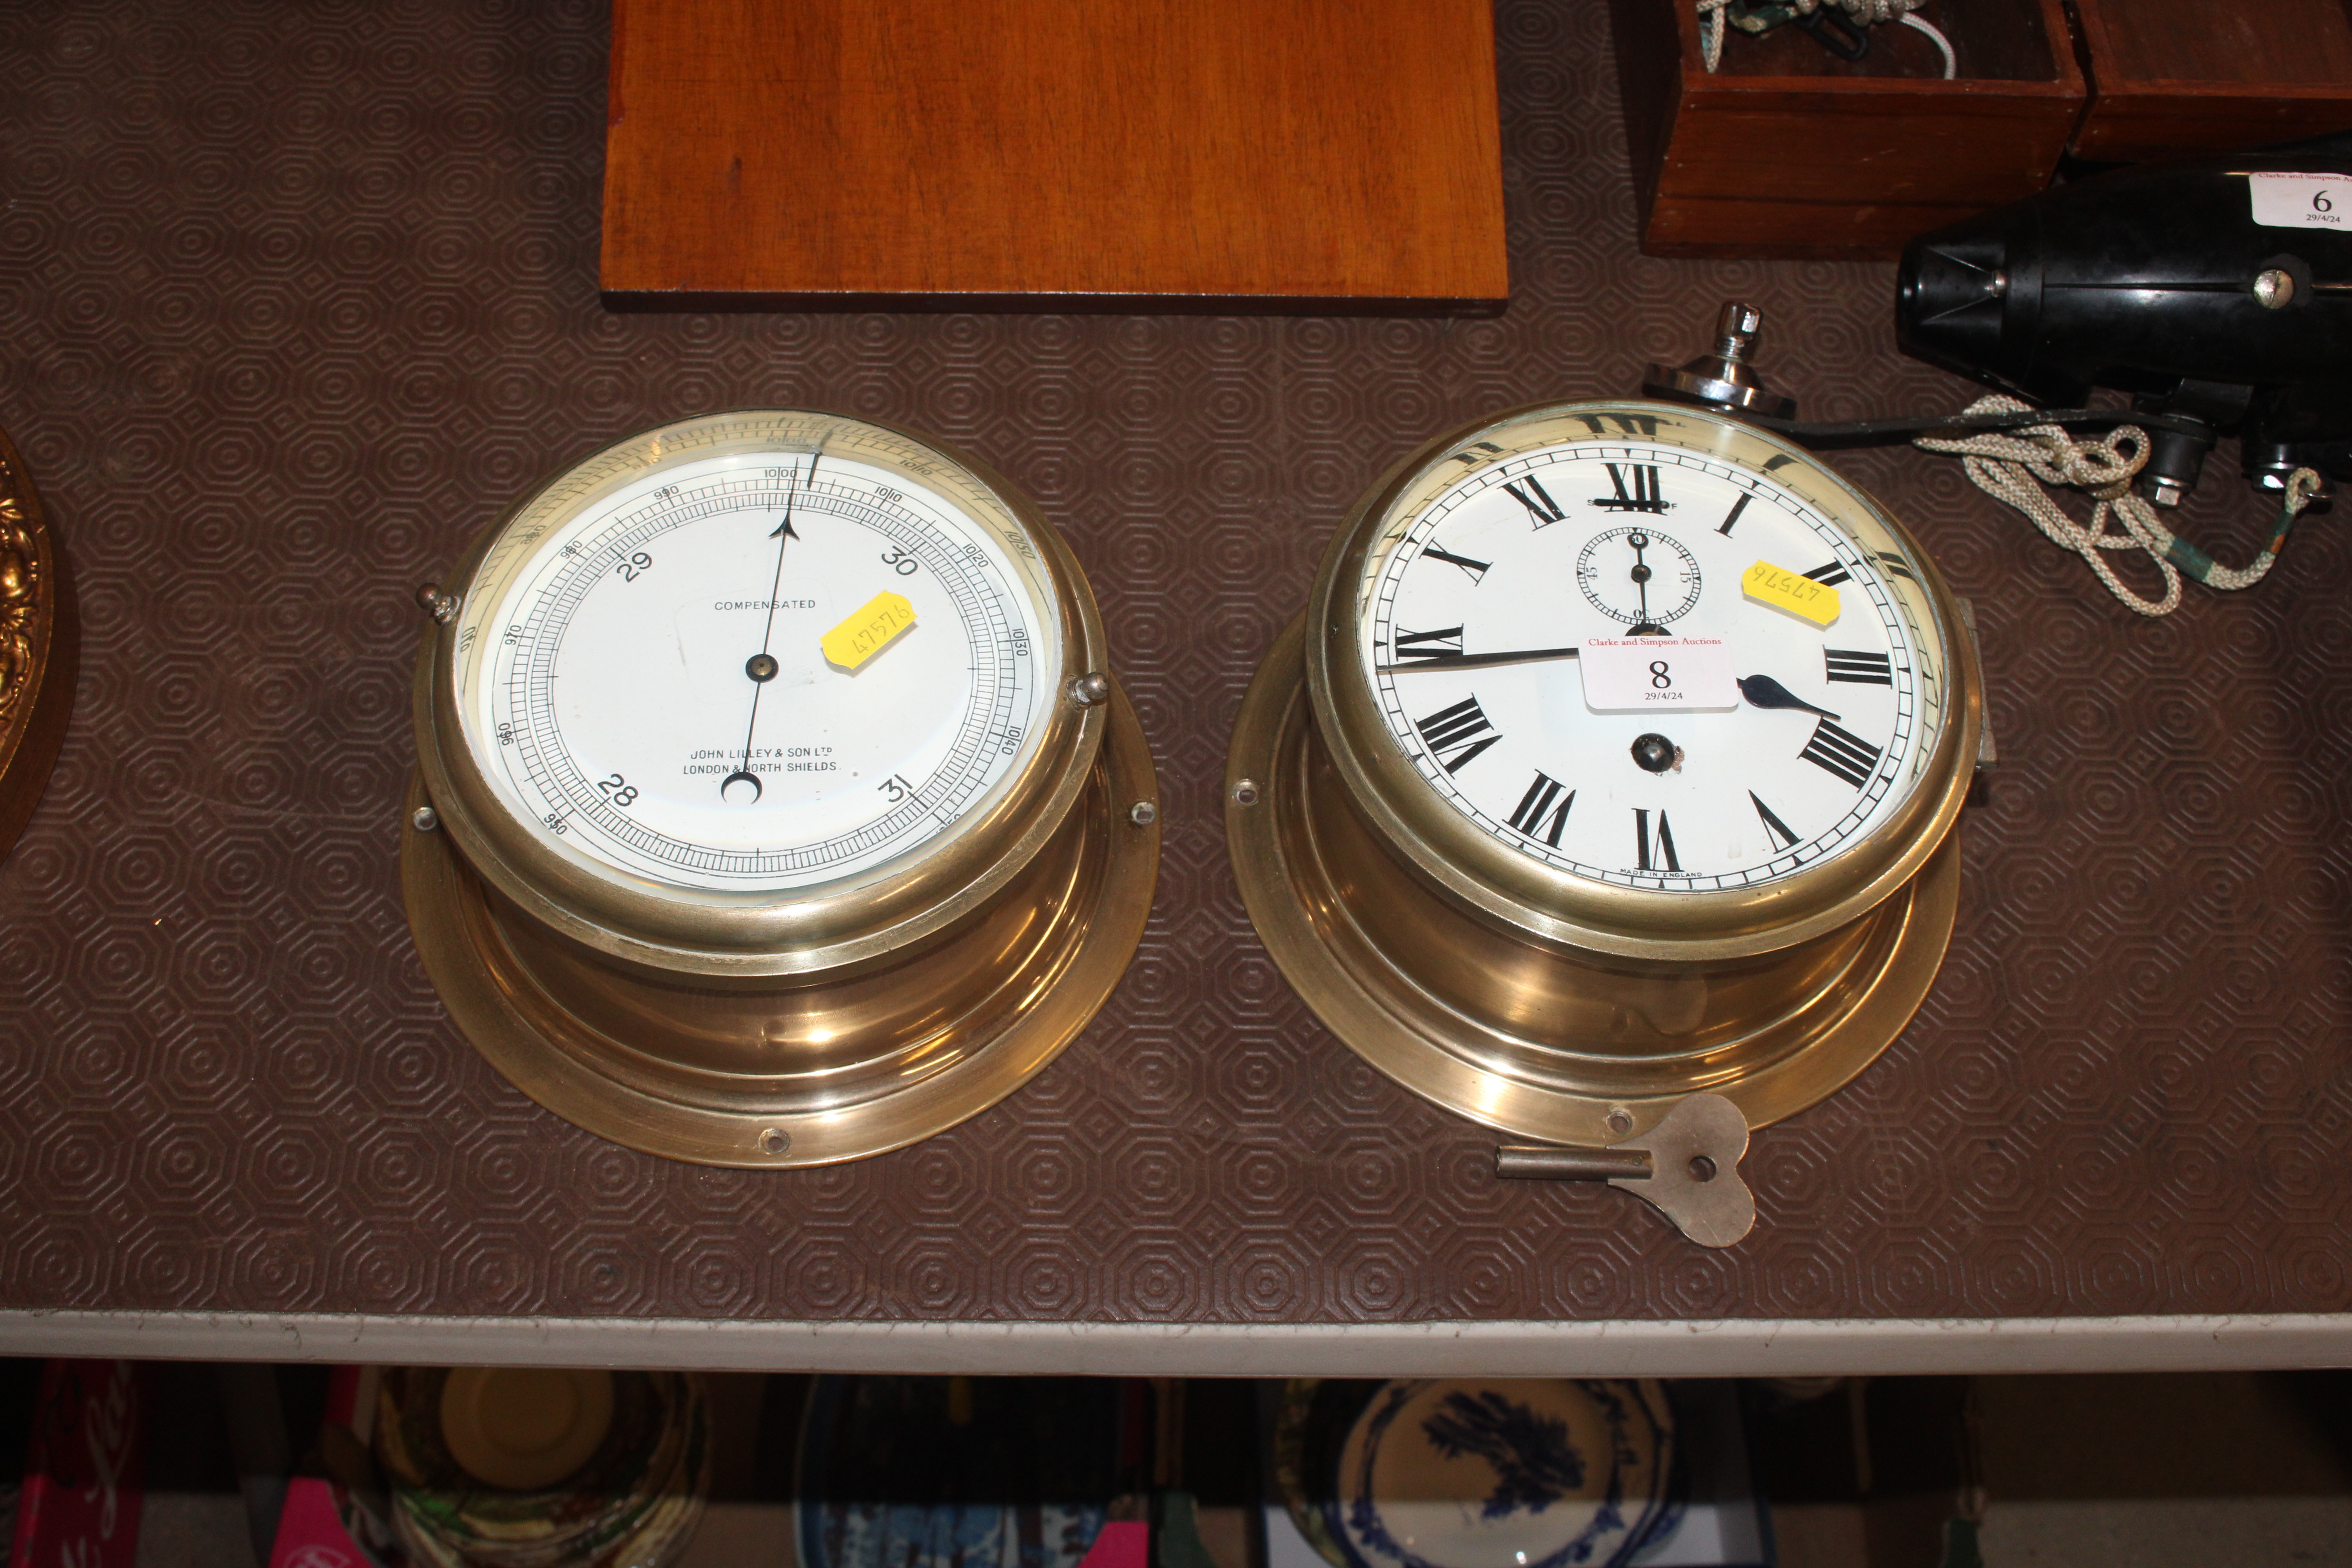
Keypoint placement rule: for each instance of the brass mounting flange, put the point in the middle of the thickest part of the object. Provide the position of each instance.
(1542, 1039)
(790, 1071)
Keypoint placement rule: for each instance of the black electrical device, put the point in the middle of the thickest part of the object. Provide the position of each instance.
(2163, 283)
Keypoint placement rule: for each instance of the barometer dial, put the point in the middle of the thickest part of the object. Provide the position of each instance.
(755, 670)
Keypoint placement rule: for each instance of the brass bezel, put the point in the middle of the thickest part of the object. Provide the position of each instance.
(839, 925)
(1464, 864)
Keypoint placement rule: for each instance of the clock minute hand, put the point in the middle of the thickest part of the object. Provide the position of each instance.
(1472, 660)
(1763, 692)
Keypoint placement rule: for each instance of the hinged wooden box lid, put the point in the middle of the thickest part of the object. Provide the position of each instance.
(1021, 153)
(2175, 78)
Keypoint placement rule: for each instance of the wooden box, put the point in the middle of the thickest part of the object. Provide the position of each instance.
(1789, 152)
(2178, 78)
(1053, 154)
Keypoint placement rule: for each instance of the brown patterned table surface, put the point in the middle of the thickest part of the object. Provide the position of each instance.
(297, 298)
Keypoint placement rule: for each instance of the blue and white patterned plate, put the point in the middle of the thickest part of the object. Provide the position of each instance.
(1504, 1473)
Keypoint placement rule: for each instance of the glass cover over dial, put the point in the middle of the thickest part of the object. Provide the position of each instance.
(751, 661)
(1641, 653)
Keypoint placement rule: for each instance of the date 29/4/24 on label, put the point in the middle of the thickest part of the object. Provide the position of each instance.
(1648, 675)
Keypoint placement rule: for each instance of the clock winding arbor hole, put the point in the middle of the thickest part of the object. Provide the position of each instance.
(1654, 753)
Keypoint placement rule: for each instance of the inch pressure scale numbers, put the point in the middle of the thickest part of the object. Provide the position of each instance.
(769, 766)
(1610, 771)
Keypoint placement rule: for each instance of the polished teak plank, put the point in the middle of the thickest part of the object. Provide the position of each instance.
(1222, 154)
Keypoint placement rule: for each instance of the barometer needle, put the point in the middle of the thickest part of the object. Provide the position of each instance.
(1472, 660)
(761, 665)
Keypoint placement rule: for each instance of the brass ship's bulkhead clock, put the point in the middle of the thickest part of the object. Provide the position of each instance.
(1613, 761)
(774, 803)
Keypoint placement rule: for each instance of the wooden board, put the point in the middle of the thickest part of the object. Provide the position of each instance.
(1223, 154)
(1788, 152)
(2178, 78)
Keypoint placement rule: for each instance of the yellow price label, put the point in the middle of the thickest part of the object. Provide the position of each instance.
(875, 624)
(1793, 593)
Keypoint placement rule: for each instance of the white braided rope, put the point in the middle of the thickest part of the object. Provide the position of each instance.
(2013, 466)
(1711, 28)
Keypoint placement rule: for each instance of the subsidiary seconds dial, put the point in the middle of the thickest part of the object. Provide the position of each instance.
(1761, 731)
(1639, 577)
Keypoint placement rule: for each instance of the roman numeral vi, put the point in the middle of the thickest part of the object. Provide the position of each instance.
(1664, 846)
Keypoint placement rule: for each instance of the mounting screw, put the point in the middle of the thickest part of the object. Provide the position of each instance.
(1090, 689)
(1143, 814)
(424, 819)
(443, 607)
(775, 1141)
(2274, 288)
(1620, 1122)
(1245, 791)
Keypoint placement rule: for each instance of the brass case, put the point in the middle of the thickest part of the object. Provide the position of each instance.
(1543, 1004)
(824, 1025)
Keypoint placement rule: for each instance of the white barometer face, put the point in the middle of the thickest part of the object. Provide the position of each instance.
(1685, 667)
(755, 653)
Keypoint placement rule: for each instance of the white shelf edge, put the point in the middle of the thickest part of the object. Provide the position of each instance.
(1706, 1348)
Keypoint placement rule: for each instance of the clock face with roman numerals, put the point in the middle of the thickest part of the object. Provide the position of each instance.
(1646, 657)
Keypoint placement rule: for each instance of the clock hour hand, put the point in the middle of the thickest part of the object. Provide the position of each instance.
(1473, 660)
(1763, 692)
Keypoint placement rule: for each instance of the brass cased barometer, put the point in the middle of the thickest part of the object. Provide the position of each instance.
(1614, 760)
(774, 804)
